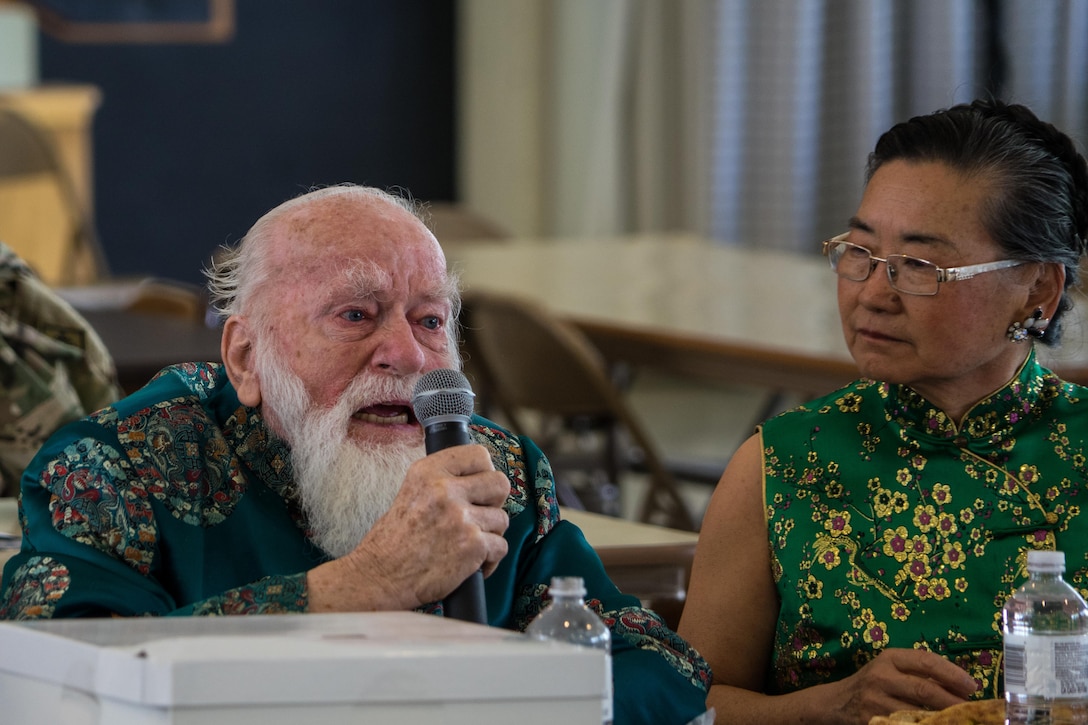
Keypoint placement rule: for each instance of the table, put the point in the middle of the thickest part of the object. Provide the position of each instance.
(650, 562)
(141, 344)
(687, 305)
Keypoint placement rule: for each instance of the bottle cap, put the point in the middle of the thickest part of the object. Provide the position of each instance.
(568, 586)
(1046, 561)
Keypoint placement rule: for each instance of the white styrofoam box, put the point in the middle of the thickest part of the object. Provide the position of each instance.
(393, 667)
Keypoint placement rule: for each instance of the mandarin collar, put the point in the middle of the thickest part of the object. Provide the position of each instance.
(991, 422)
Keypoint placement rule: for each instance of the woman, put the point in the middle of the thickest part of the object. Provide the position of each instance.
(857, 551)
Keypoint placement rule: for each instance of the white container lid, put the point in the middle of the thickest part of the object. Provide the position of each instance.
(380, 657)
(1046, 561)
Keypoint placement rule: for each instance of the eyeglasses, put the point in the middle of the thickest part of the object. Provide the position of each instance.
(908, 275)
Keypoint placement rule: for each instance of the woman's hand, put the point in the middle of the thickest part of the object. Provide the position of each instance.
(899, 679)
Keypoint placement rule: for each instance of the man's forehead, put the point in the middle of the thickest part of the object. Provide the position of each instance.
(366, 239)
(366, 278)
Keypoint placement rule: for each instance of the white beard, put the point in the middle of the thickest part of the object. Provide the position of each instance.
(344, 488)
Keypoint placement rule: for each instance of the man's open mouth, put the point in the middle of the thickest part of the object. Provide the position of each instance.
(386, 414)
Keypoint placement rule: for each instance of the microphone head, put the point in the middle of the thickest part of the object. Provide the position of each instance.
(442, 394)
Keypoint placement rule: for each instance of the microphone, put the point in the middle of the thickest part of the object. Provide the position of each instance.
(442, 401)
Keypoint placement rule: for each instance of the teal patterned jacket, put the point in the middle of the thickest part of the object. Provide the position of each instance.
(177, 500)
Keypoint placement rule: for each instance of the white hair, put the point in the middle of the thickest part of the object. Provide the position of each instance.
(237, 273)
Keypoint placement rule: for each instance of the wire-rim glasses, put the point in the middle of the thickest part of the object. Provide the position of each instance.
(906, 274)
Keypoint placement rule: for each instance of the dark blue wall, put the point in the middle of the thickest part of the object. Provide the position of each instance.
(194, 142)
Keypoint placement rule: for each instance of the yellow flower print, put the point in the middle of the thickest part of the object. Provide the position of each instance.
(967, 516)
(1028, 473)
(918, 461)
(917, 569)
(895, 543)
(847, 640)
(873, 484)
(938, 588)
(1052, 493)
(862, 618)
(953, 555)
(942, 494)
(924, 517)
(1078, 460)
(900, 611)
(946, 524)
(827, 553)
(883, 503)
(865, 428)
(830, 557)
(876, 634)
(849, 403)
(991, 476)
(960, 584)
(903, 476)
(919, 547)
(813, 457)
(833, 468)
(838, 523)
(813, 587)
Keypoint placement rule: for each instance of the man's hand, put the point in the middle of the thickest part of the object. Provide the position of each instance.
(446, 522)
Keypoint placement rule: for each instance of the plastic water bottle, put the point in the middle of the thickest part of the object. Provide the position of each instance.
(1046, 647)
(568, 619)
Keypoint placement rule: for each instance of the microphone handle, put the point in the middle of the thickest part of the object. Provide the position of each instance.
(467, 601)
(442, 434)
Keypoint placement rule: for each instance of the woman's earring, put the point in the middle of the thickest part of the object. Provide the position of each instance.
(1035, 326)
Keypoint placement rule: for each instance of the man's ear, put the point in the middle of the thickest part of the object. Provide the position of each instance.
(239, 358)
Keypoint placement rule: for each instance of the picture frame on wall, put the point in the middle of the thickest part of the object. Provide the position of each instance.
(136, 21)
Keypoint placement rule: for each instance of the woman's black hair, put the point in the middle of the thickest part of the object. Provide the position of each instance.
(1038, 211)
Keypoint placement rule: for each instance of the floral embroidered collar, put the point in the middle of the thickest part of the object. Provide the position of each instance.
(990, 422)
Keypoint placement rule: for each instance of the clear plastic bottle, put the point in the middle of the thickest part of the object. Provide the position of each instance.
(1046, 647)
(568, 619)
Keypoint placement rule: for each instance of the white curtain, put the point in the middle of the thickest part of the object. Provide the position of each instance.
(802, 91)
(586, 117)
(748, 120)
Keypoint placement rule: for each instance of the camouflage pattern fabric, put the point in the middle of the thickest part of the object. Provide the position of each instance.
(53, 367)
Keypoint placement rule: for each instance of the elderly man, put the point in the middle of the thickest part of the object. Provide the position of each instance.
(293, 477)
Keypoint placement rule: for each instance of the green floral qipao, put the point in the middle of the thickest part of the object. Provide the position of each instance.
(892, 526)
(179, 501)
